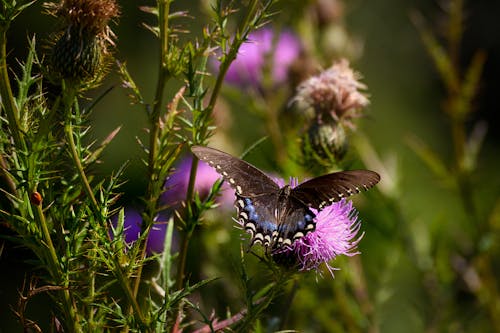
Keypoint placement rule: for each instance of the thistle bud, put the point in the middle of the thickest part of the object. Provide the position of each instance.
(324, 144)
(77, 57)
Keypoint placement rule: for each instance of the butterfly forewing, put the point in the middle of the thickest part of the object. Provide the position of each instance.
(322, 191)
(245, 179)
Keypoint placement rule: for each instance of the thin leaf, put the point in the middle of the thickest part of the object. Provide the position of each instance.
(430, 158)
(96, 153)
(473, 145)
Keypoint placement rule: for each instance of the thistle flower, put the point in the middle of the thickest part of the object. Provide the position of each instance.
(248, 68)
(329, 102)
(337, 227)
(132, 225)
(176, 185)
(334, 93)
(80, 52)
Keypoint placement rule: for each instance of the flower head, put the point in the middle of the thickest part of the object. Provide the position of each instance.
(334, 93)
(176, 185)
(80, 51)
(248, 68)
(336, 233)
(328, 102)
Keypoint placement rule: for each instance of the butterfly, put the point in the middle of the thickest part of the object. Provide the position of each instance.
(277, 216)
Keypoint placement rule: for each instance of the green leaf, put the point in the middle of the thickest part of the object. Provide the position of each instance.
(430, 158)
(471, 81)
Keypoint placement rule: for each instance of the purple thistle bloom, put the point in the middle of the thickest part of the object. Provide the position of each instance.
(337, 227)
(247, 68)
(176, 185)
(133, 222)
(336, 233)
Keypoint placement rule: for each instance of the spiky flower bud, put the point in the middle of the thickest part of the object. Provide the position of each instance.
(80, 52)
(329, 102)
(76, 57)
(325, 143)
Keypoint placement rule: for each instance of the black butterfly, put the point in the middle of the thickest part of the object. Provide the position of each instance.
(276, 216)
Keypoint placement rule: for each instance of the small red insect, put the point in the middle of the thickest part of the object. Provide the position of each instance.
(36, 198)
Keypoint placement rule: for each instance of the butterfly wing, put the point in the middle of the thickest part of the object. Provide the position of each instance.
(244, 178)
(258, 218)
(322, 191)
(256, 193)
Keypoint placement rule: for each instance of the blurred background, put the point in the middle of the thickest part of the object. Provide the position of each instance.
(418, 267)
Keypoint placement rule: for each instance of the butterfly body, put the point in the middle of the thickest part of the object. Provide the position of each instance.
(277, 216)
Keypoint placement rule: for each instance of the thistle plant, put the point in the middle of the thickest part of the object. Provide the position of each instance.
(276, 83)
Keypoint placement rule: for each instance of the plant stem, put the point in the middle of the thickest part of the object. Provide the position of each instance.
(123, 281)
(163, 77)
(6, 92)
(72, 320)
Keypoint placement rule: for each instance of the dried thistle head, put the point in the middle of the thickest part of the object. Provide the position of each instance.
(80, 52)
(327, 104)
(335, 93)
(90, 15)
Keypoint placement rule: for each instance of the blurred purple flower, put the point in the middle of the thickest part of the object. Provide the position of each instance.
(176, 185)
(133, 222)
(247, 68)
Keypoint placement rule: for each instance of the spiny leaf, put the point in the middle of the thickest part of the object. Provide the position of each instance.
(97, 152)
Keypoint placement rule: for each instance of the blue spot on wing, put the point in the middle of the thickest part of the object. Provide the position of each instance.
(268, 226)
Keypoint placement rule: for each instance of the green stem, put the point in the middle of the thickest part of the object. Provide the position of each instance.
(243, 31)
(194, 164)
(186, 237)
(163, 77)
(72, 320)
(6, 95)
(131, 297)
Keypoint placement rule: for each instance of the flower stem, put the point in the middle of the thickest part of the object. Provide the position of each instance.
(6, 95)
(55, 269)
(154, 118)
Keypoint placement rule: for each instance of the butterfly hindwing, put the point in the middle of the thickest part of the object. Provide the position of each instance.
(257, 217)
(244, 178)
(324, 190)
